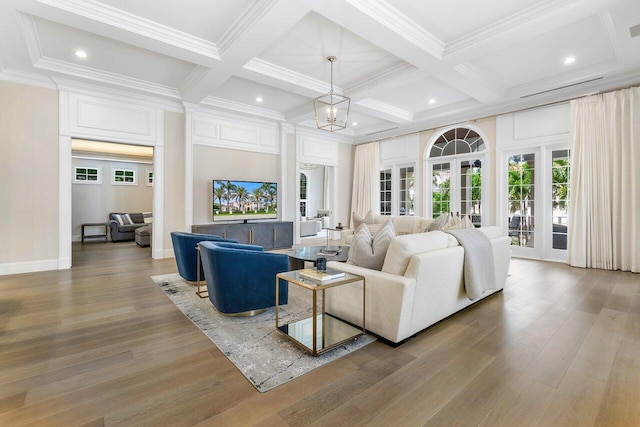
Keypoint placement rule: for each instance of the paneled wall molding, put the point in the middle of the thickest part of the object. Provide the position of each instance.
(232, 132)
(399, 150)
(540, 126)
(314, 149)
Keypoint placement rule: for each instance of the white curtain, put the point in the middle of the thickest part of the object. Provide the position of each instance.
(604, 206)
(366, 179)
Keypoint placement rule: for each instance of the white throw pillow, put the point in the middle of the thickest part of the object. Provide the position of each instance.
(367, 251)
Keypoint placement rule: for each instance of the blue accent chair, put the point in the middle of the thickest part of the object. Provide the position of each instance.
(184, 249)
(241, 278)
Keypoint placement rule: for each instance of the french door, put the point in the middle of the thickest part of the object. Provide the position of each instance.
(457, 185)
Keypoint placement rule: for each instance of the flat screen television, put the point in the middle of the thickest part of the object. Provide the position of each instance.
(244, 200)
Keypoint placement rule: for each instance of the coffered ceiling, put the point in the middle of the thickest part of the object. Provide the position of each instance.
(406, 65)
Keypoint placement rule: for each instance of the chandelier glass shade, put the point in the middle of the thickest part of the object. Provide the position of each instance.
(331, 110)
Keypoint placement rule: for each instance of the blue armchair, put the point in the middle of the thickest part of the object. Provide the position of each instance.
(184, 249)
(241, 278)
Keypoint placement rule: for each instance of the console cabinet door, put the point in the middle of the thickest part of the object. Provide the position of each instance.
(239, 232)
(262, 234)
(282, 235)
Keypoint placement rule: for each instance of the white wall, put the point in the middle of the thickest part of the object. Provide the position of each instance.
(315, 190)
(94, 202)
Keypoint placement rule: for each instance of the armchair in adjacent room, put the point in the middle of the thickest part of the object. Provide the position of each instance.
(241, 278)
(184, 249)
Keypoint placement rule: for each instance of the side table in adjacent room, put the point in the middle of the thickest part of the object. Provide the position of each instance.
(102, 225)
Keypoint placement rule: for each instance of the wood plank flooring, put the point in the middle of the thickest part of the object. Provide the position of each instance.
(100, 344)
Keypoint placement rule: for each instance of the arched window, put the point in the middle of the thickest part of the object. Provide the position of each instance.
(455, 167)
(304, 179)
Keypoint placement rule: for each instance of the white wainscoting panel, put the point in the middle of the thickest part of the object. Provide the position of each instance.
(404, 149)
(316, 150)
(215, 130)
(107, 119)
(540, 122)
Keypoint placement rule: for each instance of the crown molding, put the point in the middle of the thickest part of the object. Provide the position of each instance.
(253, 14)
(610, 29)
(386, 109)
(309, 129)
(82, 88)
(212, 101)
(195, 77)
(559, 82)
(31, 38)
(394, 72)
(26, 78)
(401, 24)
(129, 22)
(510, 24)
(106, 77)
(277, 72)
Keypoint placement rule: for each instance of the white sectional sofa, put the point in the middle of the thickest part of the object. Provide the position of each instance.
(421, 283)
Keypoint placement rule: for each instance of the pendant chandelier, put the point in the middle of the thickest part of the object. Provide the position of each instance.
(331, 109)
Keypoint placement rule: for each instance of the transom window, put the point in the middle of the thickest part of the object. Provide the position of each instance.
(457, 141)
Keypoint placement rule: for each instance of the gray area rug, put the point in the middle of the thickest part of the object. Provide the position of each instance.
(263, 355)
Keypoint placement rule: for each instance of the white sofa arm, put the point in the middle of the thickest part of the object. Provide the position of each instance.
(389, 301)
(344, 241)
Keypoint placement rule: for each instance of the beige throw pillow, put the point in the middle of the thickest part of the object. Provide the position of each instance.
(439, 223)
(359, 220)
(367, 251)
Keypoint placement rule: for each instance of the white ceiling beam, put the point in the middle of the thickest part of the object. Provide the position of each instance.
(387, 32)
(261, 25)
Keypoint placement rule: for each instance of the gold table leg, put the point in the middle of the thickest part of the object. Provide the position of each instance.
(202, 293)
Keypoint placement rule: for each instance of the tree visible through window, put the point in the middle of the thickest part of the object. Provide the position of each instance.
(560, 168)
(521, 173)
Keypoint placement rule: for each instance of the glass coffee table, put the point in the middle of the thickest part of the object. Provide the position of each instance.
(321, 331)
(298, 256)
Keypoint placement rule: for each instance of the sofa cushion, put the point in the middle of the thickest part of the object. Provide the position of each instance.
(358, 220)
(370, 252)
(402, 248)
(136, 218)
(148, 217)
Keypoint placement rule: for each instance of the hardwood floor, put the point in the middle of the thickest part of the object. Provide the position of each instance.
(100, 344)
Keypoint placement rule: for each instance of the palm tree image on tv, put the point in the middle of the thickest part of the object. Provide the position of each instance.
(244, 200)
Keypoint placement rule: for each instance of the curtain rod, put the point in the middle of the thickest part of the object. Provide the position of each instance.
(562, 101)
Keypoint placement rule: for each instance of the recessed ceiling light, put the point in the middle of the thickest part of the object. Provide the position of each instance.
(81, 54)
(432, 101)
(570, 60)
(259, 99)
(354, 124)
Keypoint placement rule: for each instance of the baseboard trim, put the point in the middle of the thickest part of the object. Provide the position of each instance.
(28, 266)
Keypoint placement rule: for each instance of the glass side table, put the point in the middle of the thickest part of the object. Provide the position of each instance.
(321, 331)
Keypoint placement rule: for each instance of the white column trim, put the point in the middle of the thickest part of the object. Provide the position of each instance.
(157, 234)
(188, 168)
